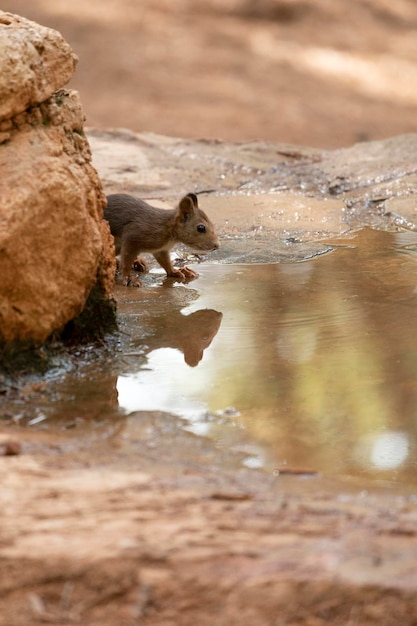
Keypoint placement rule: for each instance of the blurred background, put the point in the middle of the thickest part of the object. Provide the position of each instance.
(322, 73)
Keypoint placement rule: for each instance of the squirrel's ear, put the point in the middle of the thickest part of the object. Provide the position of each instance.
(187, 206)
(193, 198)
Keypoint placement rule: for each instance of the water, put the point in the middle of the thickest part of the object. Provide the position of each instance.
(313, 365)
(305, 367)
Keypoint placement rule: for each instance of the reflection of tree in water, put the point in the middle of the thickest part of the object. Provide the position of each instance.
(336, 356)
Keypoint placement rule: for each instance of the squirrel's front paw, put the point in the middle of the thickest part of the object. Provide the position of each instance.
(185, 273)
(188, 272)
(132, 281)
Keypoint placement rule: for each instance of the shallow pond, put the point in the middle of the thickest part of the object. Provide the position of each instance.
(305, 366)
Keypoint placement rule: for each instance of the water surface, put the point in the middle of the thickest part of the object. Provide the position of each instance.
(299, 365)
(305, 366)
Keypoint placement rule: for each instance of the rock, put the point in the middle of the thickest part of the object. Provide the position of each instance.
(55, 249)
(35, 61)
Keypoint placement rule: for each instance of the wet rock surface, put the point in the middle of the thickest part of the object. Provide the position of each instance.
(259, 189)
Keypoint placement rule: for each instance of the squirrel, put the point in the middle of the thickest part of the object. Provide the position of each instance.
(139, 227)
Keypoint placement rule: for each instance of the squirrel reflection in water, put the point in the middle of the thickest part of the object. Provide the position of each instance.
(190, 334)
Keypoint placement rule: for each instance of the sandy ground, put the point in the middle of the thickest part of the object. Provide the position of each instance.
(310, 72)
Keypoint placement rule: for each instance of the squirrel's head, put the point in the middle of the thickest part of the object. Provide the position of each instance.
(193, 227)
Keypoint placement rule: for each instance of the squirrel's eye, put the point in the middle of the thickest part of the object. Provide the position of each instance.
(201, 228)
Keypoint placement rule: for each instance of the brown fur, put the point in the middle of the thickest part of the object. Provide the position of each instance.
(139, 227)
